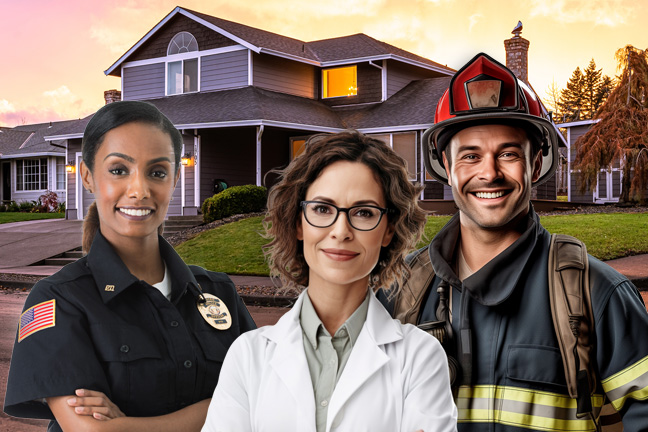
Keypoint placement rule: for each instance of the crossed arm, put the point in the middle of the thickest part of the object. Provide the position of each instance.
(92, 411)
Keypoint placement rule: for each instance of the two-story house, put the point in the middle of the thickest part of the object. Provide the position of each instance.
(246, 99)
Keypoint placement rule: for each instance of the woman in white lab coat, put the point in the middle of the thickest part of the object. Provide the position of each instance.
(341, 219)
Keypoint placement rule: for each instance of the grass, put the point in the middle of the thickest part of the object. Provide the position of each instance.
(235, 248)
(7, 217)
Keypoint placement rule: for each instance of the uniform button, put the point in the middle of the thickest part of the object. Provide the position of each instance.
(324, 403)
(124, 348)
(188, 364)
(174, 323)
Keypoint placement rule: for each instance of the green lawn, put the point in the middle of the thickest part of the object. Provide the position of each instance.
(235, 248)
(6, 217)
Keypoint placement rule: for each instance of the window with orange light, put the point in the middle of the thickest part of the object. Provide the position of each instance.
(340, 82)
(297, 146)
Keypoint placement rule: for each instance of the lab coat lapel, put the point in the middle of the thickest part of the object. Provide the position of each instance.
(290, 365)
(367, 357)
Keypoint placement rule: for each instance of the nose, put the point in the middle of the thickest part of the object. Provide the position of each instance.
(489, 169)
(138, 187)
(342, 229)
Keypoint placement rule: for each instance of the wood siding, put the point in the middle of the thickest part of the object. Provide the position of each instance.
(285, 76)
(143, 82)
(222, 71)
(400, 74)
(158, 44)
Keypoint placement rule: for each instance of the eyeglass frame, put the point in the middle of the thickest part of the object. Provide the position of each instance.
(346, 210)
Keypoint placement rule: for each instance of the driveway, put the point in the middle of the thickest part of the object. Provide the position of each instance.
(26, 243)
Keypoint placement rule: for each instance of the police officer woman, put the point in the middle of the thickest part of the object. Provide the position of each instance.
(342, 218)
(127, 337)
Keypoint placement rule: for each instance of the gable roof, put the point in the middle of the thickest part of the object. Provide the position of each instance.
(28, 140)
(323, 53)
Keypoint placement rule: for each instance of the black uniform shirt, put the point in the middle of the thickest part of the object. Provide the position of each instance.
(121, 336)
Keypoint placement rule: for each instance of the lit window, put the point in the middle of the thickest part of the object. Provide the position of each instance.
(183, 42)
(31, 174)
(340, 82)
(297, 146)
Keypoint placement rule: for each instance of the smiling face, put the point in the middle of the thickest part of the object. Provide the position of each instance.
(340, 255)
(133, 180)
(491, 174)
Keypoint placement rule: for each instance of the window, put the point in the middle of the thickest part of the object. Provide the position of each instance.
(297, 147)
(31, 174)
(60, 173)
(339, 82)
(182, 74)
(404, 144)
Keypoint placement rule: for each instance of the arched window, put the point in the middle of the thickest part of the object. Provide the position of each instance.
(182, 74)
(183, 42)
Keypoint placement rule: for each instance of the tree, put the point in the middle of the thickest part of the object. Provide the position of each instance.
(552, 95)
(571, 98)
(621, 132)
(592, 80)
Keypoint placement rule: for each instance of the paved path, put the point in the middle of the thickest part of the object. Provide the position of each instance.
(25, 243)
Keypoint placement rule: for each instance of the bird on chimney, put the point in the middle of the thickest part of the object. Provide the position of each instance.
(518, 29)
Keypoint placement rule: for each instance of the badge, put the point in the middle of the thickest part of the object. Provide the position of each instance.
(215, 312)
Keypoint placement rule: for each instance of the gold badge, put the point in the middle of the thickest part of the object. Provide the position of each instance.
(215, 312)
(110, 287)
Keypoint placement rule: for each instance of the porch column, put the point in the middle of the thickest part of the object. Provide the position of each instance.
(197, 164)
(258, 154)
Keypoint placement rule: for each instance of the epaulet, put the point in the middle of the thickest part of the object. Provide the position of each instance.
(410, 298)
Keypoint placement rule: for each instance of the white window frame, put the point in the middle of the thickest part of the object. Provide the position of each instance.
(181, 58)
(40, 175)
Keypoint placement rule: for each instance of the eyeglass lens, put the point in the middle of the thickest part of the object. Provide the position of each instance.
(322, 215)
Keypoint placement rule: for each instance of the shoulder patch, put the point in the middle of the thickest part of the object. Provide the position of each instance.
(36, 318)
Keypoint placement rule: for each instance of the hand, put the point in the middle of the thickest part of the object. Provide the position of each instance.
(95, 404)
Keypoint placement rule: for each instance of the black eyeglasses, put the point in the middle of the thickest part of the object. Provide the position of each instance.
(362, 217)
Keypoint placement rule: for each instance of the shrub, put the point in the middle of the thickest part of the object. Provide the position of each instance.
(49, 200)
(61, 207)
(234, 200)
(27, 206)
(3, 208)
(13, 207)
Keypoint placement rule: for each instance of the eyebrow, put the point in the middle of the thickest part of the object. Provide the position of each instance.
(502, 146)
(131, 160)
(357, 203)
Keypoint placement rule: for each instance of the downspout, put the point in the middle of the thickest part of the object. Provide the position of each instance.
(258, 154)
(383, 79)
(182, 182)
(197, 164)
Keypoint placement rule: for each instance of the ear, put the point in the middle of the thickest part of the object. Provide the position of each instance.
(300, 229)
(86, 177)
(389, 234)
(537, 167)
(446, 165)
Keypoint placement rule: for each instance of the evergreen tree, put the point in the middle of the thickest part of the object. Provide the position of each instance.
(592, 80)
(571, 98)
(621, 132)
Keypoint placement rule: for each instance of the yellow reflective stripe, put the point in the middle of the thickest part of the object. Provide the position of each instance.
(515, 406)
(631, 382)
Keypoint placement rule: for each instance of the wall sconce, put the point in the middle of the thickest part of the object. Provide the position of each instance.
(69, 167)
(186, 159)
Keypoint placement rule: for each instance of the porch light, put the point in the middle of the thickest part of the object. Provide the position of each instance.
(186, 159)
(69, 168)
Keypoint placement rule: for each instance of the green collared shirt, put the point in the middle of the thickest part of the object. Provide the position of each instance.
(326, 355)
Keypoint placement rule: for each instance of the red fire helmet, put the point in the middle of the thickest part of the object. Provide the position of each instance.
(485, 91)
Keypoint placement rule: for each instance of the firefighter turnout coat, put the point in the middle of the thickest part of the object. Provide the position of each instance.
(501, 317)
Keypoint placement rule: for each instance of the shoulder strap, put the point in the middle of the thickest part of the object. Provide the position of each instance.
(409, 300)
(571, 310)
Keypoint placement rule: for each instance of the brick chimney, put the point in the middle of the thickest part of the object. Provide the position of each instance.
(517, 54)
(112, 96)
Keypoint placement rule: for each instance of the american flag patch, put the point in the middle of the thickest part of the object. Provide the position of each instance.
(36, 318)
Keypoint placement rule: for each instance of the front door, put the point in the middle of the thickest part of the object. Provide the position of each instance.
(6, 181)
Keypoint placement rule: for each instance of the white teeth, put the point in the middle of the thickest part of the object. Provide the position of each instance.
(135, 212)
(489, 195)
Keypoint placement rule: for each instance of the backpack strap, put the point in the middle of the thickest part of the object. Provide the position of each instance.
(408, 302)
(571, 311)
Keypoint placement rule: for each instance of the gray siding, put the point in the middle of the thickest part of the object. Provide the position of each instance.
(399, 75)
(190, 176)
(576, 195)
(222, 71)
(143, 82)
(284, 76)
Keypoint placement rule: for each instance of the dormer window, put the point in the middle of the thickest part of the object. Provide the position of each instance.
(182, 74)
(339, 82)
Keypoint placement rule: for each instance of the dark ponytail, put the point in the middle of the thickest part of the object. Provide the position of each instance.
(90, 227)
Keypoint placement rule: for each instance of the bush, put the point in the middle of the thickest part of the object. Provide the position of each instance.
(13, 207)
(234, 200)
(49, 200)
(27, 206)
(61, 207)
(3, 208)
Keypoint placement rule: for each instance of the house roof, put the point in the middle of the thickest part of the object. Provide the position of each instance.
(346, 49)
(28, 140)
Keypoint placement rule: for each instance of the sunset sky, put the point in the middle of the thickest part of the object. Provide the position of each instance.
(55, 52)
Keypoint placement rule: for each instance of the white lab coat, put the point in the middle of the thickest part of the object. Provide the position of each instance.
(396, 379)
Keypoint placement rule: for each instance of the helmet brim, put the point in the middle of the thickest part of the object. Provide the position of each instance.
(433, 157)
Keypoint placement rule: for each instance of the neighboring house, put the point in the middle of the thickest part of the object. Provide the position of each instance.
(30, 166)
(246, 99)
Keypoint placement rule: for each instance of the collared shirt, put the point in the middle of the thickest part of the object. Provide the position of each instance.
(326, 355)
(119, 335)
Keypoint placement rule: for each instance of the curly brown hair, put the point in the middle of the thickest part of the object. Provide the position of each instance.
(285, 253)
